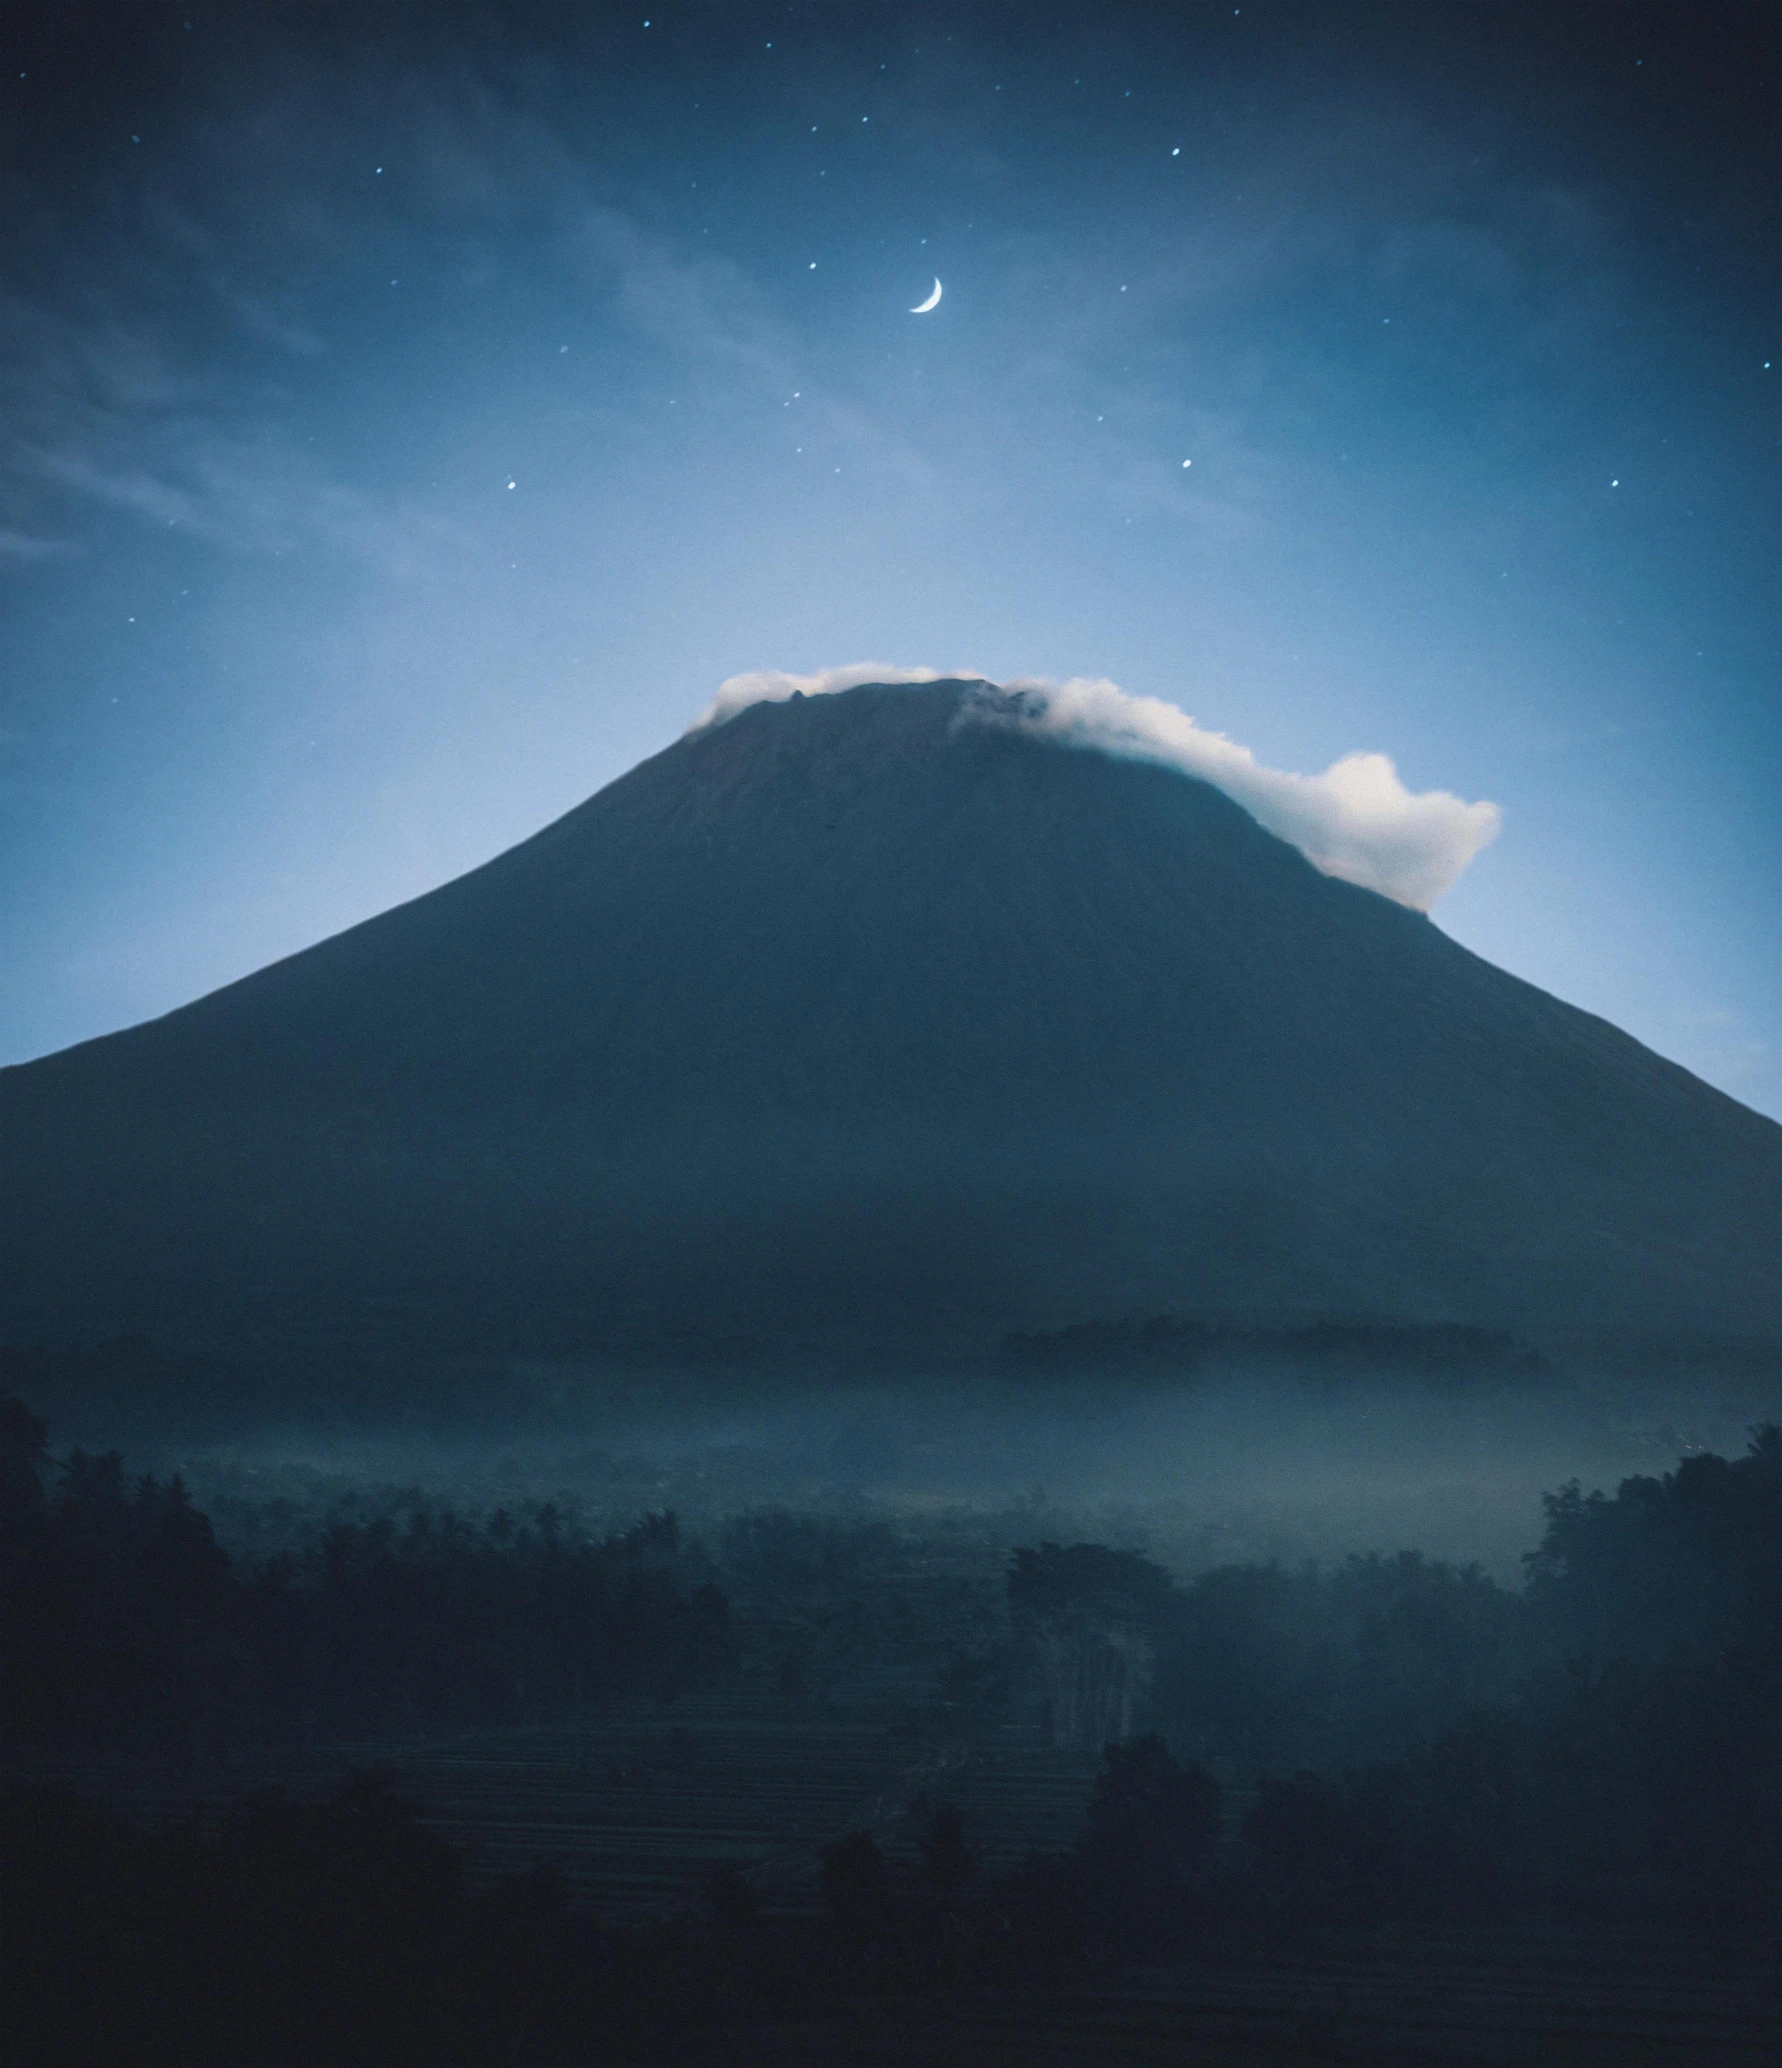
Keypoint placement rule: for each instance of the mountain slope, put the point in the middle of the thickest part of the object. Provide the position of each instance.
(847, 1014)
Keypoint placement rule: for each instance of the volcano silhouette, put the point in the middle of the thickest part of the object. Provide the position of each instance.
(848, 1015)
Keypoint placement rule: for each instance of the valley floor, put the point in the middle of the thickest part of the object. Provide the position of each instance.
(638, 1807)
(1557, 1998)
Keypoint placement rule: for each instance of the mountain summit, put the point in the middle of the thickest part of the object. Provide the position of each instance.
(850, 1015)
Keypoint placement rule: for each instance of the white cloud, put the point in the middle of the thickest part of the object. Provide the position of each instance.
(773, 686)
(1356, 820)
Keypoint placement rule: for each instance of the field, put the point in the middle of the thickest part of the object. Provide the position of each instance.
(638, 1807)
(637, 1812)
(1501, 2000)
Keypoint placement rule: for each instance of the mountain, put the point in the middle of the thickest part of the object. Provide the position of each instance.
(848, 1015)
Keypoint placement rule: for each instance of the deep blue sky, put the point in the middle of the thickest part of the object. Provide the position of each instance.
(1462, 316)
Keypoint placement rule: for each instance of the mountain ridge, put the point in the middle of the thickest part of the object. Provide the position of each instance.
(844, 1014)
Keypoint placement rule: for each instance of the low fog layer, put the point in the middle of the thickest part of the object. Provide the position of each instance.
(1356, 820)
(1277, 1461)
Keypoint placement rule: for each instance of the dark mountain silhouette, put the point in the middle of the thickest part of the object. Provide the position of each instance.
(844, 1016)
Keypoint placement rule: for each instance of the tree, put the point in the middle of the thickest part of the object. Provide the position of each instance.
(1675, 1567)
(1151, 1831)
(1093, 1618)
(1150, 1814)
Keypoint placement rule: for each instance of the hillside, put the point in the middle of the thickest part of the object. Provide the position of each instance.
(846, 1015)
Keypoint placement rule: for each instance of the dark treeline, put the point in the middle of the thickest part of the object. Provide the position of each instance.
(1391, 1740)
(125, 1626)
(1433, 1351)
(1415, 1740)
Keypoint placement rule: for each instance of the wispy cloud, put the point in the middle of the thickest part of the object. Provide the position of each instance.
(23, 548)
(104, 413)
(174, 369)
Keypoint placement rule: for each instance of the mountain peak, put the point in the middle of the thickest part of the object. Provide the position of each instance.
(1356, 820)
(887, 1010)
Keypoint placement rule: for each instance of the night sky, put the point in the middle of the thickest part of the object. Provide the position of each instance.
(410, 416)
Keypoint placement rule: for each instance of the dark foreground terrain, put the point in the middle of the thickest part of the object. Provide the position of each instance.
(369, 1781)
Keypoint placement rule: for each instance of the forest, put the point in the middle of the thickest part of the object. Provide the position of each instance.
(1266, 1753)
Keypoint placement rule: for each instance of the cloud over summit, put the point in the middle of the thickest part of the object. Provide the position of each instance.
(1356, 820)
(775, 686)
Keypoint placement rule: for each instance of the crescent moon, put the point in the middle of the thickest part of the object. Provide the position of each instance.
(922, 308)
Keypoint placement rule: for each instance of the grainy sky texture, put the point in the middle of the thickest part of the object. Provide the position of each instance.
(411, 415)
